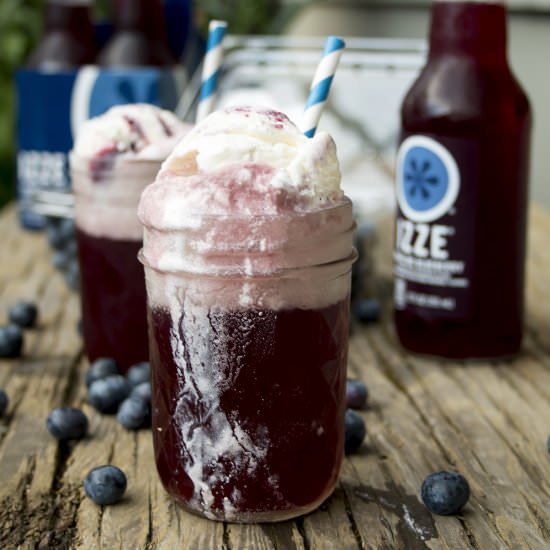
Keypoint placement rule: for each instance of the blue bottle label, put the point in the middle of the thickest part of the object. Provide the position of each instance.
(52, 106)
(43, 136)
(434, 247)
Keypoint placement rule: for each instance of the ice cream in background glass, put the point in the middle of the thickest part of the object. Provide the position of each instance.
(247, 253)
(115, 156)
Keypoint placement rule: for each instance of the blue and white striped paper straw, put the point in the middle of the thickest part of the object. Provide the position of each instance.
(320, 87)
(211, 68)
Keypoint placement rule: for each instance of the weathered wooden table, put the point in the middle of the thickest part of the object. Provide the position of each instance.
(488, 421)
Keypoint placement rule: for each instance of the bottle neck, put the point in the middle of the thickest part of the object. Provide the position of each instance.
(73, 17)
(145, 16)
(475, 29)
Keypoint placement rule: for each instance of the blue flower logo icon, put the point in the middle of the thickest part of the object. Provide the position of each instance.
(425, 179)
(428, 179)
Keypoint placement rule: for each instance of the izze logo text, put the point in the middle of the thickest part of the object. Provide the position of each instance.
(423, 240)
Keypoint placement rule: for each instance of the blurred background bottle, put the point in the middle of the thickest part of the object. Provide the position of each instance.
(44, 88)
(139, 37)
(462, 177)
(68, 39)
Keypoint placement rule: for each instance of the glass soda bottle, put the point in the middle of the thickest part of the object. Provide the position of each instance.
(68, 40)
(44, 92)
(462, 178)
(140, 37)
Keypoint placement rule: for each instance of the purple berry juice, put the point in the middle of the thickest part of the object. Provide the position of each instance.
(115, 157)
(268, 438)
(247, 253)
(112, 284)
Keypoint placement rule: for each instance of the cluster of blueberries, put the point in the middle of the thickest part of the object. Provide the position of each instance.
(61, 237)
(21, 315)
(129, 397)
(356, 399)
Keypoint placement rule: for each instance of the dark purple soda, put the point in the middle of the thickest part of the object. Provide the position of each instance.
(283, 376)
(114, 316)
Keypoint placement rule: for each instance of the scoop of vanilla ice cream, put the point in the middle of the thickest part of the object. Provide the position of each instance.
(139, 129)
(243, 160)
(115, 156)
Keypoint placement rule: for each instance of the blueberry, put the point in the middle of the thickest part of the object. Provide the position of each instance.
(11, 341)
(107, 394)
(61, 260)
(139, 373)
(142, 391)
(105, 484)
(133, 413)
(356, 394)
(356, 279)
(101, 368)
(23, 314)
(60, 232)
(71, 248)
(355, 431)
(55, 238)
(67, 423)
(72, 275)
(51, 221)
(3, 402)
(445, 493)
(367, 310)
(366, 232)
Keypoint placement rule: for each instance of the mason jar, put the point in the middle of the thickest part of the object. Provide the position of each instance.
(109, 237)
(248, 321)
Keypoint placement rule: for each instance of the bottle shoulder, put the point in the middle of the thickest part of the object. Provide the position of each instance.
(132, 48)
(60, 50)
(466, 93)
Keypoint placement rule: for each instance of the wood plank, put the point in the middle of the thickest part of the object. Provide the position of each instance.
(175, 528)
(470, 444)
(405, 451)
(95, 450)
(331, 522)
(266, 536)
(29, 456)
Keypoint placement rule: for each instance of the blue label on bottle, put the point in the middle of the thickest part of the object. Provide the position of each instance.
(428, 179)
(436, 188)
(44, 136)
(51, 108)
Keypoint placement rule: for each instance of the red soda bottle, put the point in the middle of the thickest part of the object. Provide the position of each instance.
(140, 37)
(68, 40)
(462, 177)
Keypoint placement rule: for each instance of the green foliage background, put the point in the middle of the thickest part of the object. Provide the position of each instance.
(21, 25)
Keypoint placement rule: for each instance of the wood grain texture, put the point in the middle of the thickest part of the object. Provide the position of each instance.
(490, 421)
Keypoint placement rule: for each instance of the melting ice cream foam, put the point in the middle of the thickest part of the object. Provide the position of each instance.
(115, 156)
